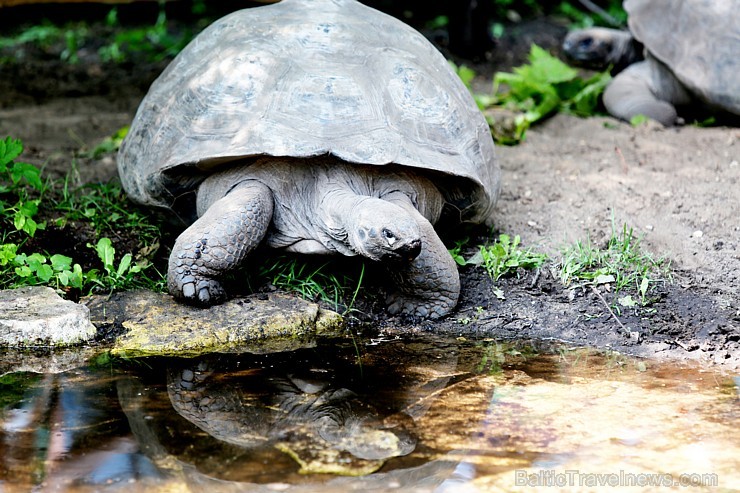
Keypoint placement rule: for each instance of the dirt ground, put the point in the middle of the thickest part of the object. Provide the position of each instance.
(572, 179)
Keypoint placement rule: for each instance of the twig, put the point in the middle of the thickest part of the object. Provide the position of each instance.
(595, 9)
(596, 292)
(682, 345)
(536, 278)
(625, 168)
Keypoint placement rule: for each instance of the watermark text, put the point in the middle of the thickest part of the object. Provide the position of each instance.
(574, 477)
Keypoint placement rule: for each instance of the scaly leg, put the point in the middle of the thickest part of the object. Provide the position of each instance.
(218, 242)
(645, 88)
(429, 286)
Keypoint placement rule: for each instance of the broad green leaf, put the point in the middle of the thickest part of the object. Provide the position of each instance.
(106, 253)
(30, 226)
(44, 272)
(9, 150)
(124, 265)
(60, 262)
(19, 220)
(26, 171)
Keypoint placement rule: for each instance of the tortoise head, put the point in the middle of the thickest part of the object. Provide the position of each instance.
(599, 47)
(383, 231)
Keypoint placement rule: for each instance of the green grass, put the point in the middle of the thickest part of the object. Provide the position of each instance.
(150, 42)
(313, 280)
(621, 264)
(102, 208)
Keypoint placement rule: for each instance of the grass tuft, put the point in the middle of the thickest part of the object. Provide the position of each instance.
(621, 264)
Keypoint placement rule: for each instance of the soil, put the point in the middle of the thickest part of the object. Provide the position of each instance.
(572, 179)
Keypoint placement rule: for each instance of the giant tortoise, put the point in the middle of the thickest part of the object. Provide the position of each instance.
(318, 127)
(691, 54)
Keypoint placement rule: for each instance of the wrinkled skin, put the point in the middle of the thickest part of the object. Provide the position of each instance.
(319, 206)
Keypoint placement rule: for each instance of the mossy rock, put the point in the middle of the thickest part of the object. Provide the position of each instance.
(156, 325)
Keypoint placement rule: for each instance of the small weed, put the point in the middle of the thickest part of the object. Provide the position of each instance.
(109, 145)
(456, 251)
(20, 190)
(622, 265)
(638, 120)
(504, 257)
(124, 276)
(479, 310)
(155, 41)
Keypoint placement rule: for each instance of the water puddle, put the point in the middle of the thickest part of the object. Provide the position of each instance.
(419, 415)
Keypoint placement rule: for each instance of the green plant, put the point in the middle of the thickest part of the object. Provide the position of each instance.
(101, 207)
(155, 41)
(543, 86)
(121, 277)
(46, 35)
(38, 269)
(313, 281)
(504, 257)
(612, 15)
(638, 120)
(109, 144)
(456, 251)
(465, 73)
(16, 205)
(621, 264)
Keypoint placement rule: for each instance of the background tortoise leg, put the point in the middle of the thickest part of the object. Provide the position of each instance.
(218, 242)
(429, 286)
(644, 89)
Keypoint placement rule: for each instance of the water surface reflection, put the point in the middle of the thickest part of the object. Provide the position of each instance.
(416, 415)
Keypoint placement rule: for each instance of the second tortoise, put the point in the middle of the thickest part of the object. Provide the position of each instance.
(677, 53)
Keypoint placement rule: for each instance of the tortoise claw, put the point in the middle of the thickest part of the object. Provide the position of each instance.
(199, 292)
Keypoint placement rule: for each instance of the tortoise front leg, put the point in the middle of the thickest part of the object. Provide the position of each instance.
(645, 88)
(429, 286)
(218, 242)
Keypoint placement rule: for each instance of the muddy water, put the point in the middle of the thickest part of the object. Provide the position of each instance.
(418, 415)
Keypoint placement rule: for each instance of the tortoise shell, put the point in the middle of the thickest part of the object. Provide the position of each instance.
(304, 78)
(699, 40)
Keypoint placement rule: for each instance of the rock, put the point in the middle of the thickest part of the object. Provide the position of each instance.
(48, 359)
(156, 324)
(39, 316)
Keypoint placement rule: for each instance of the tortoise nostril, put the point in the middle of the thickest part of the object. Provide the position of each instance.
(410, 250)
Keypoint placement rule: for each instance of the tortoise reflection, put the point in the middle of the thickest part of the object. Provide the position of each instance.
(325, 428)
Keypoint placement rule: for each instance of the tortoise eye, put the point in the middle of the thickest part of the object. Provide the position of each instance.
(389, 236)
(585, 43)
